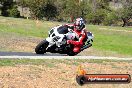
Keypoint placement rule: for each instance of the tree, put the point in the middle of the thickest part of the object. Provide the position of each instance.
(111, 18)
(22, 3)
(124, 13)
(96, 17)
(50, 11)
(40, 8)
(13, 12)
(36, 8)
(74, 8)
(85, 8)
(6, 4)
(61, 6)
(99, 10)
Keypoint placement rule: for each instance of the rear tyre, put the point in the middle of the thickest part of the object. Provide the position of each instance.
(41, 47)
(71, 53)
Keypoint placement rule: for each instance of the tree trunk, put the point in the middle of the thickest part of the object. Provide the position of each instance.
(124, 22)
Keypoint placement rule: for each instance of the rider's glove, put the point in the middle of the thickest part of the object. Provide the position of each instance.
(70, 30)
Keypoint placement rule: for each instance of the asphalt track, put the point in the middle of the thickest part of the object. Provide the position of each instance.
(28, 55)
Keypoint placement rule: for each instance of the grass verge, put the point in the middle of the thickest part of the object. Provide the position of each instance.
(52, 62)
(106, 38)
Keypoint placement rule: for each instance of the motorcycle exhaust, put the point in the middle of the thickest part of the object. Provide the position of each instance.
(86, 46)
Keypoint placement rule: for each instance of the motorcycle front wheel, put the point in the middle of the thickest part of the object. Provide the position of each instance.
(41, 47)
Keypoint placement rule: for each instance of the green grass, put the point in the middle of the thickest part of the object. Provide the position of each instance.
(25, 27)
(52, 62)
(111, 40)
(119, 42)
(13, 62)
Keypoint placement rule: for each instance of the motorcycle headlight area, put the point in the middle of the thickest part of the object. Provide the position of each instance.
(56, 38)
(50, 32)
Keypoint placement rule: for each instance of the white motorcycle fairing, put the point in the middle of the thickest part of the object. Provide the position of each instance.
(57, 38)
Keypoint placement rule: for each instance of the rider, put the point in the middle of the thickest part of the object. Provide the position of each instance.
(79, 28)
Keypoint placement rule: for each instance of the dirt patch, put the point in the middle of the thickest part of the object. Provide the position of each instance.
(62, 75)
(19, 43)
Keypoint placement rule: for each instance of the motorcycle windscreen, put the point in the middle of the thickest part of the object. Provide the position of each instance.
(63, 30)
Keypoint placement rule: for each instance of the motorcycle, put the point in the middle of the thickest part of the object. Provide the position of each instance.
(56, 42)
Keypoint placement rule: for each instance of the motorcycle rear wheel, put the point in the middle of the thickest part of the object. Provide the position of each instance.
(41, 47)
(71, 53)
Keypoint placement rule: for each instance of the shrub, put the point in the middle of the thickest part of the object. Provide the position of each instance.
(13, 12)
(111, 19)
(96, 17)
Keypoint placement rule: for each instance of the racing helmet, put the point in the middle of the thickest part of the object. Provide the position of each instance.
(79, 24)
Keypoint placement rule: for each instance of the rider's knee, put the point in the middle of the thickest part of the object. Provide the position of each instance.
(76, 49)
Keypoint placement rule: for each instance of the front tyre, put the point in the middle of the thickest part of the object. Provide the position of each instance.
(41, 47)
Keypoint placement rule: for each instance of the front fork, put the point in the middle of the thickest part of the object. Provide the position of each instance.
(51, 43)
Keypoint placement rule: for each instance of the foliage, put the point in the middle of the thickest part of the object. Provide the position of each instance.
(6, 4)
(13, 12)
(97, 17)
(125, 14)
(111, 19)
(23, 3)
(94, 11)
(99, 10)
(36, 8)
(50, 11)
